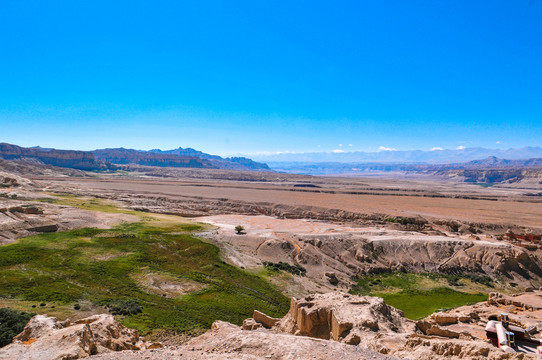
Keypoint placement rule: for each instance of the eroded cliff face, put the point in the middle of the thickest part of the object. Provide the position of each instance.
(349, 255)
(432, 254)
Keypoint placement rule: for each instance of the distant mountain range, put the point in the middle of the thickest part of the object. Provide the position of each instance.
(232, 163)
(338, 168)
(111, 159)
(437, 156)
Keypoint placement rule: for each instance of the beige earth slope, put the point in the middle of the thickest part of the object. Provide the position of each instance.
(334, 254)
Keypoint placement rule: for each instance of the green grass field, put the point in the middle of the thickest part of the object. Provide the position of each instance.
(419, 295)
(102, 266)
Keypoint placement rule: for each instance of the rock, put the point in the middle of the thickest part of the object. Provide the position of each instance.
(44, 228)
(332, 278)
(47, 338)
(266, 321)
(32, 210)
(444, 318)
(154, 345)
(251, 324)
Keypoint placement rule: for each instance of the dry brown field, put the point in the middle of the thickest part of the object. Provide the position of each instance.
(464, 202)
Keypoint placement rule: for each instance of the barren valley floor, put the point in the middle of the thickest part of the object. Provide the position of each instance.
(464, 202)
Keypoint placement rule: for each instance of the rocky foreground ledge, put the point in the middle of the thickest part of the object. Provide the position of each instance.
(322, 326)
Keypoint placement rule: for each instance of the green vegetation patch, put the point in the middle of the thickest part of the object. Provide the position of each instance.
(101, 267)
(292, 269)
(417, 304)
(419, 295)
(92, 204)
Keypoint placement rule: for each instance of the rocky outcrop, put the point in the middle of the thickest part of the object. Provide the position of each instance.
(501, 299)
(251, 324)
(11, 180)
(47, 338)
(430, 327)
(427, 347)
(228, 341)
(343, 317)
(265, 320)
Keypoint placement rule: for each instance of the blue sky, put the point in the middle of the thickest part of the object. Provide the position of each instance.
(266, 76)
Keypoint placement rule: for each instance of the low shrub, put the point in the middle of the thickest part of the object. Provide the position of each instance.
(11, 323)
(292, 269)
(124, 307)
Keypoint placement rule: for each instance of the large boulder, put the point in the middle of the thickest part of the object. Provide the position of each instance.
(47, 338)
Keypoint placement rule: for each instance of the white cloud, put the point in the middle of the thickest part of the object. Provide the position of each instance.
(350, 145)
(460, 147)
(338, 151)
(497, 142)
(383, 148)
(437, 149)
(340, 145)
(319, 146)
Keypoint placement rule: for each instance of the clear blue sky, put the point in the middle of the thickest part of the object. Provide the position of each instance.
(253, 76)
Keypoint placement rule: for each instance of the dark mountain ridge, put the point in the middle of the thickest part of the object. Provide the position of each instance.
(231, 163)
(111, 159)
(123, 156)
(81, 160)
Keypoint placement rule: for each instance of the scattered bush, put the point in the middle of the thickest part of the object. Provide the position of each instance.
(11, 323)
(239, 230)
(125, 236)
(124, 307)
(292, 269)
